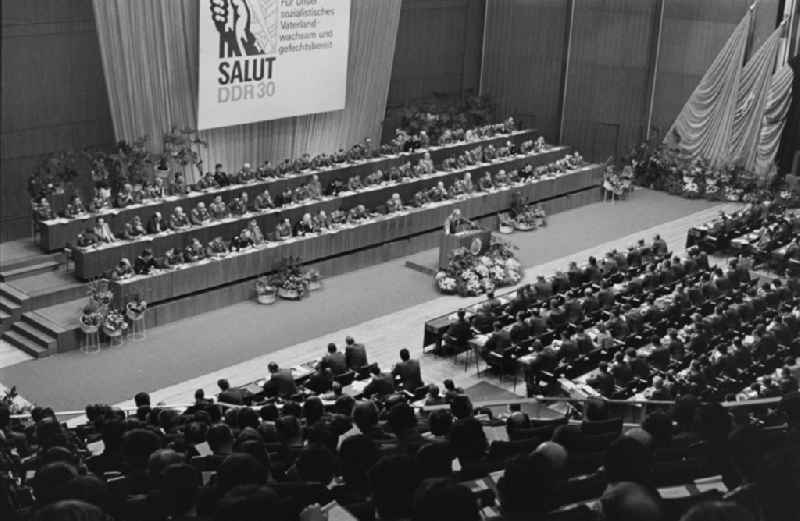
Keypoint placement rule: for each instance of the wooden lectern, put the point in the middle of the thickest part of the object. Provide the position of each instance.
(476, 241)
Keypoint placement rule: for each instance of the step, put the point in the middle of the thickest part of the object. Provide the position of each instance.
(26, 271)
(35, 334)
(42, 324)
(12, 293)
(10, 307)
(25, 344)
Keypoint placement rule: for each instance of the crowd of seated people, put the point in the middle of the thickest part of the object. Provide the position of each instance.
(660, 326)
(379, 455)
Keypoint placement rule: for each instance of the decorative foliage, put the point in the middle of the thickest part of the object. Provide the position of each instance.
(469, 275)
(53, 172)
(133, 160)
(436, 115)
(180, 147)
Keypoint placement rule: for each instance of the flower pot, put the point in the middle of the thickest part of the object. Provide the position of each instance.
(133, 314)
(506, 229)
(112, 333)
(266, 298)
(89, 330)
(314, 285)
(289, 294)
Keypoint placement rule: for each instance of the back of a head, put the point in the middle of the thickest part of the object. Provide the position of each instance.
(628, 460)
(70, 510)
(159, 460)
(316, 464)
(179, 485)
(357, 454)
(402, 418)
(219, 437)
(440, 421)
(435, 460)
(438, 499)
(461, 406)
(365, 415)
(138, 445)
(90, 489)
(288, 428)
(404, 355)
(631, 502)
(250, 503)
(50, 482)
(331, 347)
(718, 511)
(526, 485)
(467, 438)
(240, 469)
(394, 479)
(313, 409)
(596, 410)
(141, 400)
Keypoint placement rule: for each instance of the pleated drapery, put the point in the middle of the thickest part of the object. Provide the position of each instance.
(750, 101)
(703, 127)
(150, 59)
(776, 109)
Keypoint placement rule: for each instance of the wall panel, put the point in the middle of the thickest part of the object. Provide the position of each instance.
(523, 61)
(53, 95)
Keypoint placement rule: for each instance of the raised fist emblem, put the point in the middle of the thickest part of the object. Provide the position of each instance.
(238, 24)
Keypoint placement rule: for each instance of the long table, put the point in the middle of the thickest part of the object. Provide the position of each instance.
(93, 261)
(191, 278)
(56, 233)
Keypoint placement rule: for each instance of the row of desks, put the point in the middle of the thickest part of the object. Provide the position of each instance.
(191, 278)
(56, 233)
(93, 261)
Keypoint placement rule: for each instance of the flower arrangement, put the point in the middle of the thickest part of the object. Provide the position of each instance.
(313, 278)
(91, 318)
(99, 292)
(114, 323)
(265, 291)
(135, 309)
(52, 173)
(290, 280)
(469, 275)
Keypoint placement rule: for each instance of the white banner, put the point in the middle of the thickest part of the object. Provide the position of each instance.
(270, 59)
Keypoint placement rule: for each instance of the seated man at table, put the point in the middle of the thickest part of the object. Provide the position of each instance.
(87, 238)
(173, 257)
(354, 184)
(216, 247)
(179, 186)
(314, 187)
(498, 343)
(357, 213)
(456, 222)
(280, 383)
(144, 262)
(420, 199)
(263, 201)
(792, 250)
(178, 219)
(381, 384)
(485, 183)
(156, 224)
(242, 241)
(103, 231)
(237, 206)
(99, 201)
(394, 204)
(123, 270)
(355, 353)
(194, 251)
(245, 175)
(520, 330)
(602, 381)
(156, 190)
(438, 193)
(220, 177)
(407, 370)
(304, 226)
(255, 232)
(218, 209)
(283, 230)
(207, 181)
(334, 360)
(75, 207)
(200, 214)
(125, 196)
(458, 333)
(322, 221)
(133, 229)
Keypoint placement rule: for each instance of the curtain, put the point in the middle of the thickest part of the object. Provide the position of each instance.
(776, 109)
(750, 100)
(703, 127)
(790, 141)
(149, 50)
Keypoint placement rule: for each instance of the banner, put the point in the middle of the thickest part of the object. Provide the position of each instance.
(269, 59)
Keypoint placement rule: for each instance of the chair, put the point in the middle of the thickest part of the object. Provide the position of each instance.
(611, 426)
(345, 379)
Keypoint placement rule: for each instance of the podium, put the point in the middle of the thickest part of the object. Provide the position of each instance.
(476, 241)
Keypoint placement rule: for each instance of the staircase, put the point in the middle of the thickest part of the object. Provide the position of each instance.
(12, 304)
(33, 334)
(28, 267)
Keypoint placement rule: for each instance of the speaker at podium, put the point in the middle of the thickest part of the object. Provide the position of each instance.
(460, 232)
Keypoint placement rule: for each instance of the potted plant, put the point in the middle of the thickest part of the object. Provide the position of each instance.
(180, 151)
(134, 161)
(114, 324)
(313, 278)
(265, 291)
(91, 318)
(135, 309)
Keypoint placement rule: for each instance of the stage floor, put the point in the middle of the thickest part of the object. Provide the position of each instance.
(383, 306)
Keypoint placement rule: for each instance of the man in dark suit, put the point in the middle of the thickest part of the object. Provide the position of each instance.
(232, 396)
(520, 330)
(498, 343)
(408, 371)
(459, 332)
(355, 354)
(335, 360)
(381, 384)
(281, 382)
(602, 381)
(156, 223)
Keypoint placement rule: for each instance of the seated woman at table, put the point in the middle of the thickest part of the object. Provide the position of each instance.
(500, 178)
(486, 183)
(178, 220)
(194, 251)
(199, 214)
(242, 241)
(125, 196)
(156, 224)
(357, 213)
(207, 181)
(179, 186)
(314, 187)
(283, 230)
(123, 270)
(218, 209)
(103, 231)
(216, 247)
(304, 226)
(87, 238)
(156, 190)
(354, 184)
(420, 199)
(133, 229)
(263, 201)
(255, 231)
(99, 201)
(75, 207)
(144, 262)
(322, 221)
(394, 204)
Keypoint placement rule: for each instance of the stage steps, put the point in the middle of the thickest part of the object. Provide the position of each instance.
(12, 304)
(33, 334)
(28, 269)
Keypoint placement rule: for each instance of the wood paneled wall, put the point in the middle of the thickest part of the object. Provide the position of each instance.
(438, 49)
(610, 65)
(53, 95)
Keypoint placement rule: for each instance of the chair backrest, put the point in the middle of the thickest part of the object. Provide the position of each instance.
(345, 379)
(612, 425)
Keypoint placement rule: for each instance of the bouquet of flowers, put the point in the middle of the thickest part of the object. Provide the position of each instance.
(114, 323)
(469, 274)
(265, 291)
(135, 309)
(100, 293)
(91, 318)
(313, 279)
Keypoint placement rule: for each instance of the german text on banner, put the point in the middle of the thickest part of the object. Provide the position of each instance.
(270, 59)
